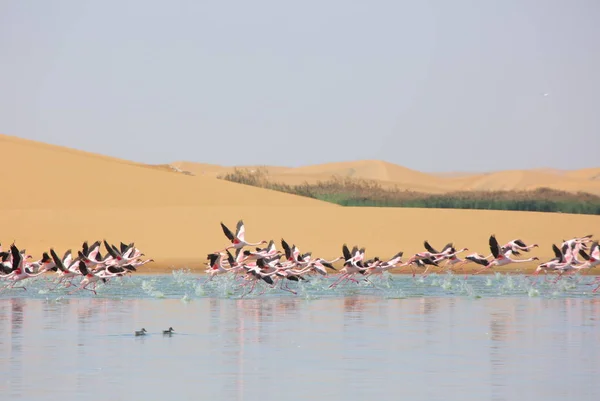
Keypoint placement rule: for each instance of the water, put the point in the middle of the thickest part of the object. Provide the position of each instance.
(442, 337)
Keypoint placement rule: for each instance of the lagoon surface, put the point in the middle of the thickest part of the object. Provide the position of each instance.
(410, 338)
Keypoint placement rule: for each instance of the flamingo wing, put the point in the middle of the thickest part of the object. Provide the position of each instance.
(111, 250)
(287, 249)
(481, 261)
(595, 251)
(240, 230)
(83, 268)
(57, 261)
(557, 252)
(346, 252)
(213, 257)
(239, 252)
(520, 243)
(17, 258)
(230, 258)
(429, 261)
(450, 246)
(227, 232)
(494, 246)
(429, 248)
(115, 269)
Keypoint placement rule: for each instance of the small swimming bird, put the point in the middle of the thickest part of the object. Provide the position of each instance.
(170, 331)
(141, 332)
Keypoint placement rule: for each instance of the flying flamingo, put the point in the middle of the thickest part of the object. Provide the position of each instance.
(19, 272)
(88, 278)
(454, 262)
(500, 259)
(379, 267)
(562, 258)
(448, 248)
(351, 265)
(592, 260)
(238, 240)
(253, 275)
(429, 255)
(269, 252)
(66, 267)
(215, 266)
(517, 245)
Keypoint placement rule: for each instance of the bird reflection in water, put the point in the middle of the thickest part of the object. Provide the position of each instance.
(15, 372)
(500, 323)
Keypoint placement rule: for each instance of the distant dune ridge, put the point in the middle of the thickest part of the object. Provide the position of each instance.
(59, 197)
(389, 174)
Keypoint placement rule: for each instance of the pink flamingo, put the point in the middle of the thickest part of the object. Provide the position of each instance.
(19, 272)
(238, 240)
(500, 259)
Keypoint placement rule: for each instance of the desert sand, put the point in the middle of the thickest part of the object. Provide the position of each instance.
(59, 197)
(390, 175)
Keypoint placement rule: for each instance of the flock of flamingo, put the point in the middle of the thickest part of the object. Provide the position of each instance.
(89, 265)
(266, 264)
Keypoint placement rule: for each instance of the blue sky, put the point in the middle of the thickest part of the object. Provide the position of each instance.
(431, 85)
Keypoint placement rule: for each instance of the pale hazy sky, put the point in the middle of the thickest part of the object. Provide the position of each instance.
(432, 85)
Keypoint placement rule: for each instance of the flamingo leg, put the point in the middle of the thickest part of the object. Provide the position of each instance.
(251, 288)
(286, 288)
(338, 280)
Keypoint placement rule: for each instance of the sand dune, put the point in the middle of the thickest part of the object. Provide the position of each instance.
(524, 180)
(59, 197)
(390, 175)
(213, 170)
(55, 178)
(591, 174)
(368, 169)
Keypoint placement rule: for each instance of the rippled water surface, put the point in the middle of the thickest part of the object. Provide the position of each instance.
(496, 337)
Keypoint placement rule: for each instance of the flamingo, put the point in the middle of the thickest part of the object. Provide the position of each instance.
(429, 255)
(351, 265)
(238, 240)
(433, 252)
(555, 263)
(454, 262)
(18, 272)
(593, 258)
(66, 266)
(253, 275)
(268, 252)
(319, 265)
(379, 267)
(215, 266)
(500, 259)
(517, 245)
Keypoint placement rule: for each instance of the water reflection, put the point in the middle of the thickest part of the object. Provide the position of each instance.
(344, 348)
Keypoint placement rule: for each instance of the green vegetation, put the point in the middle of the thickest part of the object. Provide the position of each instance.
(359, 192)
